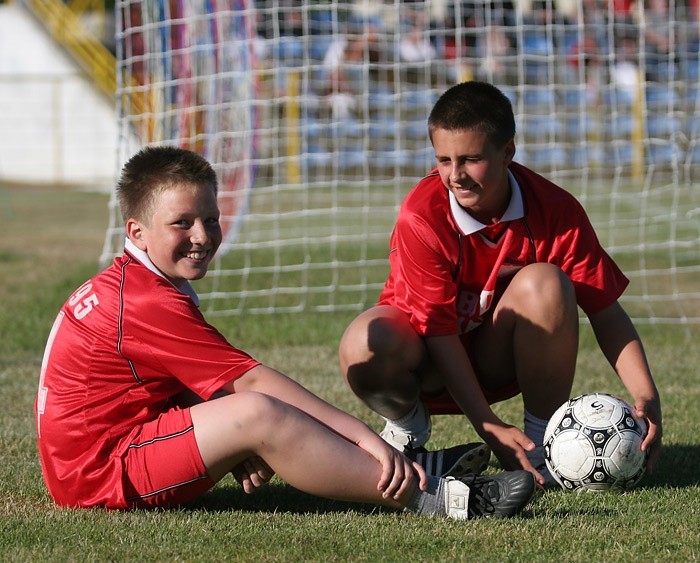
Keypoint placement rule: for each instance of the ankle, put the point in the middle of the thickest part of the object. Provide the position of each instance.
(430, 501)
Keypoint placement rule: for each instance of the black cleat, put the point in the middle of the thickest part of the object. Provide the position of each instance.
(493, 496)
(457, 461)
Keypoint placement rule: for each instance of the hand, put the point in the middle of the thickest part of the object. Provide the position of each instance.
(510, 444)
(398, 472)
(650, 411)
(252, 473)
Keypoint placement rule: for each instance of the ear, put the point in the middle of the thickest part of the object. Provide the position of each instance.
(136, 234)
(509, 151)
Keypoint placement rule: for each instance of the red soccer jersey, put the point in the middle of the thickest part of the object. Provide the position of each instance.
(121, 347)
(446, 267)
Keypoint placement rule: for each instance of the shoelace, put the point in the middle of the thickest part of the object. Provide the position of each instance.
(483, 492)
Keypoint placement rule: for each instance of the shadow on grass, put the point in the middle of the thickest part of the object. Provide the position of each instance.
(275, 497)
(677, 467)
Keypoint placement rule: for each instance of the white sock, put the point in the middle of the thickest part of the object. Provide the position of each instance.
(414, 419)
(411, 430)
(414, 423)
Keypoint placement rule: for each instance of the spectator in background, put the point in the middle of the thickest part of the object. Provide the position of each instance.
(415, 45)
(343, 70)
(623, 10)
(539, 40)
(625, 71)
(658, 36)
(461, 47)
(493, 48)
(587, 46)
(690, 40)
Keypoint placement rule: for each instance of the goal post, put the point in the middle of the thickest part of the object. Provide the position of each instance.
(314, 115)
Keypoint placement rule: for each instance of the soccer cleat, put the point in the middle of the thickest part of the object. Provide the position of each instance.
(489, 496)
(457, 461)
(456, 499)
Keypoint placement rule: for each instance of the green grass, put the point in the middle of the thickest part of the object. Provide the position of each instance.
(51, 242)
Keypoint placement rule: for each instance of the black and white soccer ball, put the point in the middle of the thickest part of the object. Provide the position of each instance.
(593, 443)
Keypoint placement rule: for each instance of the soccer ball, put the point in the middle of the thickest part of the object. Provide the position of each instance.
(592, 443)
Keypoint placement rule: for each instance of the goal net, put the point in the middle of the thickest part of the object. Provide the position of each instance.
(314, 116)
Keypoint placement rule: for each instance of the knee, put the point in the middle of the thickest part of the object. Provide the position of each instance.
(366, 349)
(378, 334)
(545, 289)
(256, 413)
(232, 428)
(379, 346)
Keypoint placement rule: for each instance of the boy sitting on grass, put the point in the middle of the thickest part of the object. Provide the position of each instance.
(125, 347)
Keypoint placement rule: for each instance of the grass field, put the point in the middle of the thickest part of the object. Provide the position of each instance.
(51, 242)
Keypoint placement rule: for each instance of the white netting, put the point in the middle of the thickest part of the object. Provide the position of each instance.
(314, 115)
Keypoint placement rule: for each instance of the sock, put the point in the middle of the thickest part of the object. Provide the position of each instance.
(415, 426)
(410, 431)
(534, 429)
(430, 501)
(413, 420)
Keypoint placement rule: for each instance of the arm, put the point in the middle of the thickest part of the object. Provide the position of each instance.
(396, 467)
(263, 379)
(508, 442)
(621, 345)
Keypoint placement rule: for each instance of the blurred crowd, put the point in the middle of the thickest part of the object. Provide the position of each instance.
(598, 40)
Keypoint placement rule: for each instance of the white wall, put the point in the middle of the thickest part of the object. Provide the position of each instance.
(56, 127)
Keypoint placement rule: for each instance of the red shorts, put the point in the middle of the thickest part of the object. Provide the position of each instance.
(162, 464)
(443, 403)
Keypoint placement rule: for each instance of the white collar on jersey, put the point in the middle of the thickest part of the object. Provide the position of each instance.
(468, 225)
(142, 257)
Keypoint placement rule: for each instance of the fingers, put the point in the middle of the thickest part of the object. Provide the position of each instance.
(524, 462)
(650, 411)
(652, 445)
(252, 474)
(510, 445)
(243, 479)
(422, 475)
(396, 476)
(386, 476)
(399, 474)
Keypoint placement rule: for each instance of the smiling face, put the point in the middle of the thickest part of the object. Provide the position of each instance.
(475, 171)
(182, 234)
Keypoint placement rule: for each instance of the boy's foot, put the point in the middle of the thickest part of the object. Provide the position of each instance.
(489, 496)
(457, 461)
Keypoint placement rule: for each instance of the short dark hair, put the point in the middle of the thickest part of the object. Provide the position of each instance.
(474, 106)
(155, 169)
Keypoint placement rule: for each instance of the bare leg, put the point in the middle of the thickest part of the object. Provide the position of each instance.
(380, 358)
(533, 337)
(303, 452)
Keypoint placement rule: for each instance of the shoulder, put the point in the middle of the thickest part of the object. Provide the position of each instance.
(426, 197)
(540, 192)
(143, 290)
(425, 216)
(531, 180)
